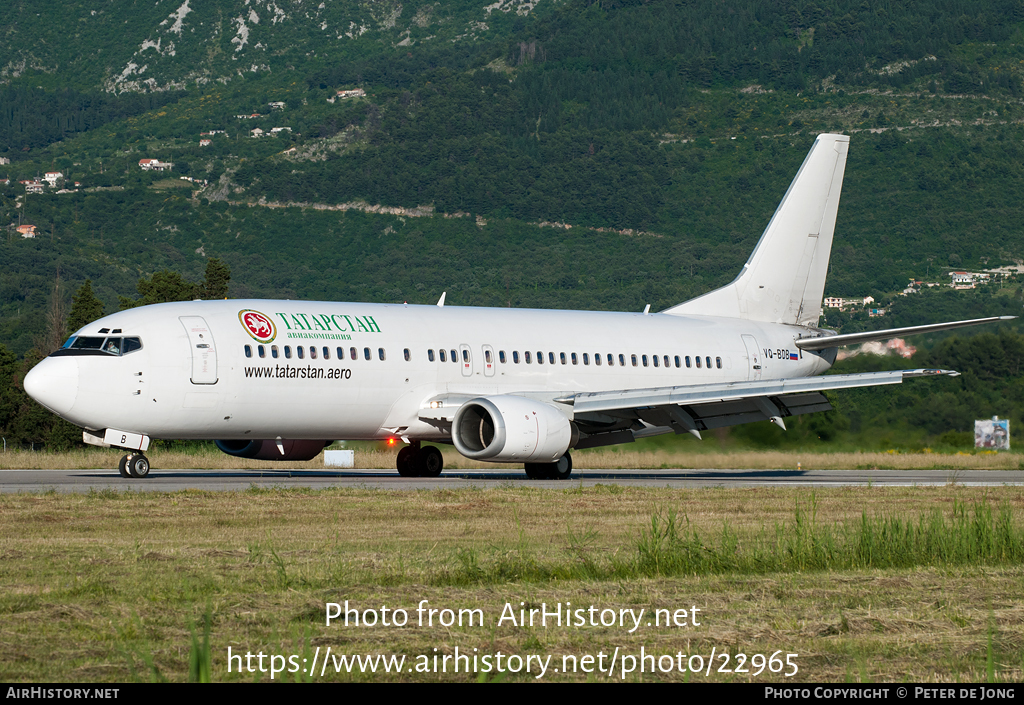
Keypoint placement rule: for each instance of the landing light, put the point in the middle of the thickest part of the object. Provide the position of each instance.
(391, 441)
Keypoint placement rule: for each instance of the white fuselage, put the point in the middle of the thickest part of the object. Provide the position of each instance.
(153, 390)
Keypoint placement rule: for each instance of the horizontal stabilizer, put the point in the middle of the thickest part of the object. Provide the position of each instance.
(836, 341)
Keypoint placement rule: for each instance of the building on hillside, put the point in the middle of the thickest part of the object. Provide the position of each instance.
(27, 230)
(277, 105)
(4, 160)
(52, 177)
(257, 132)
(833, 302)
(205, 143)
(967, 280)
(33, 186)
(155, 165)
(275, 130)
(211, 133)
(876, 312)
(352, 93)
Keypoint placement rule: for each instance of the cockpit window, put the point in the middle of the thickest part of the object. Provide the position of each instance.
(95, 345)
(83, 342)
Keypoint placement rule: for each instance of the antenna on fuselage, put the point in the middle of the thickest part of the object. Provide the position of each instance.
(440, 301)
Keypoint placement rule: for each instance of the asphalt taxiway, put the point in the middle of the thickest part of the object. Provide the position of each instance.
(238, 480)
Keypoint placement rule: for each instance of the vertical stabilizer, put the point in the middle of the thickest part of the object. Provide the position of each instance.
(784, 279)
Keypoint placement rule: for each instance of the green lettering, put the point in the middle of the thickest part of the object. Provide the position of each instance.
(336, 325)
(327, 321)
(350, 326)
(298, 323)
(284, 318)
(308, 327)
(318, 325)
(362, 326)
(372, 323)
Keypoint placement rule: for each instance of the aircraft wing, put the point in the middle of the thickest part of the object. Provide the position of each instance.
(610, 417)
(836, 341)
(694, 408)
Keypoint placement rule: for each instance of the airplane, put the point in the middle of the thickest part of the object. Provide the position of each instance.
(281, 380)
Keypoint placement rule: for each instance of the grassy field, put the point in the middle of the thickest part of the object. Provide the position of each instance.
(369, 456)
(863, 584)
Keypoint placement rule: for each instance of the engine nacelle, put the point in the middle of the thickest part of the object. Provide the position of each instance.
(510, 429)
(273, 450)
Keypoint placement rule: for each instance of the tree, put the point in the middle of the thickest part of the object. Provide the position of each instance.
(85, 307)
(55, 321)
(163, 287)
(215, 285)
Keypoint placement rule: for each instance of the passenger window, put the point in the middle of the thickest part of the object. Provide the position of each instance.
(687, 361)
(248, 351)
(442, 354)
(633, 359)
(273, 351)
(366, 353)
(430, 355)
(341, 353)
(655, 360)
(698, 362)
(501, 357)
(455, 357)
(622, 360)
(551, 358)
(597, 359)
(515, 356)
(666, 361)
(465, 355)
(586, 358)
(487, 356)
(352, 354)
(540, 358)
(132, 344)
(380, 354)
(261, 351)
(561, 356)
(708, 360)
(645, 360)
(300, 351)
(288, 352)
(527, 355)
(407, 355)
(312, 352)
(677, 361)
(718, 362)
(327, 353)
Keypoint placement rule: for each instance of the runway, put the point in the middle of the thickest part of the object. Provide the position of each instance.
(238, 480)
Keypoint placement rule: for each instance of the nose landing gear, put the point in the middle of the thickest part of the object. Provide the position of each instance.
(134, 465)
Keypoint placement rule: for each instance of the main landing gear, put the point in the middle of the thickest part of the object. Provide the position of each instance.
(417, 461)
(558, 470)
(134, 465)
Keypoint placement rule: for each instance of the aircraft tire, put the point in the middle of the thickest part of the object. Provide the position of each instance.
(138, 466)
(406, 462)
(122, 466)
(429, 462)
(561, 469)
(536, 471)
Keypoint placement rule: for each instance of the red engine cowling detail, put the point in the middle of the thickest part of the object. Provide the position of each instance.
(510, 429)
(273, 450)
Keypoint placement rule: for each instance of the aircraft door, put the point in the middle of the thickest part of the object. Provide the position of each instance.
(753, 357)
(203, 350)
(467, 360)
(488, 361)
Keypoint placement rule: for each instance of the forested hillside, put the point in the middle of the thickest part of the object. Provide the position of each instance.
(592, 154)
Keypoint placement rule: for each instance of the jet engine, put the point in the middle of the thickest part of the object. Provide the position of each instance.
(510, 429)
(273, 450)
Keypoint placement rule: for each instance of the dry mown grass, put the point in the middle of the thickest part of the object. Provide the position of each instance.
(588, 459)
(105, 586)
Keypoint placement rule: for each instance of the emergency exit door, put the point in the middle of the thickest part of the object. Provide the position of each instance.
(203, 350)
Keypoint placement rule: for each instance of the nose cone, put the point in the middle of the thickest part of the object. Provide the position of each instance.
(54, 383)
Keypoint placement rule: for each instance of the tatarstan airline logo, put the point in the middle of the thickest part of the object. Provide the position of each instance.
(259, 326)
